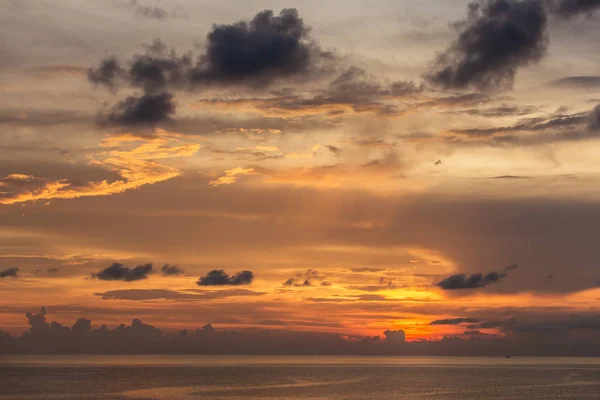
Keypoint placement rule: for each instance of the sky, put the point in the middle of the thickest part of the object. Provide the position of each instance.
(334, 167)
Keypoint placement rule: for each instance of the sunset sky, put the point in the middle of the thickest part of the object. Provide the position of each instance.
(340, 166)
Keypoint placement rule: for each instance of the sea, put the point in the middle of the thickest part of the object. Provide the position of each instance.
(297, 377)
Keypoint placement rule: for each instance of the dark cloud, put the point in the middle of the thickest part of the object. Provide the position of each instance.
(499, 111)
(577, 82)
(220, 278)
(534, 131)
(497, 38)
(108, 73)
(570, 8)
(474, 281)
(9, 272)
(454, 321)
(255, 53)
(309, 278)
(165, 294)
(148, 109)
(265, 48)
(594, 119)
(395, 336)
(336, 151)
(159, 68)
(118, 272)
(170, 270)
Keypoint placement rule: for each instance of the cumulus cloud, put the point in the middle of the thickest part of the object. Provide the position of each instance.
(497, 38)
(119, 272)
(170, 270)
(9, 272)
(148, 109)
(221, 278)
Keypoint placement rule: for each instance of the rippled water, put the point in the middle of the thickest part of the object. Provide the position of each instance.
(352, 378)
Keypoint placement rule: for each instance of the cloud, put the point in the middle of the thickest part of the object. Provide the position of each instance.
(108, 73)
(131, 157)
(231, 176)
(165, 294)
(594, 119)
(148, 109)
(473, 281)
(9, 272)
(220, 278)
(366, 269)
(497, 38)
(570, 8)
(265, 48)
(118, 272)
(309, 278)
(395, 336)
(170, 270)
(577, 82)
(454, 321)
(252, 52)
(336, 151)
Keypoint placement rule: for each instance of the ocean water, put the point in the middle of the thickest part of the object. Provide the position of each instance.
(290, 378)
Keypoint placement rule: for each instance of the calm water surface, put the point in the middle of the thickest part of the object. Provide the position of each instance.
(273, 378)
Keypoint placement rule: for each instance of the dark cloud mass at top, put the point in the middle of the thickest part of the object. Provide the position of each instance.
(119, 272)
(221, 278)
(497, 38)
(253, 53)
(267, 47)
(256, 52)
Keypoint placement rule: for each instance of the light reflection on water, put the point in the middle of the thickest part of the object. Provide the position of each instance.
(208, 360)
(297, 378)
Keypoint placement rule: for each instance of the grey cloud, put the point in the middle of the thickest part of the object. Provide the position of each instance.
(148, 109)
(256, 52)
(594, 119)
(474, 281)
(108, 73)
(165, 294)
(336, 151)
(309, 278)
(9, 272)
(220, 278)
(577, 82)
(170, 270)
(119, 272)
(497, 38)
(454, 321)
(570, 8)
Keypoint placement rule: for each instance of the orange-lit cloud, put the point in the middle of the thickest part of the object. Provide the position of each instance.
(131, 157)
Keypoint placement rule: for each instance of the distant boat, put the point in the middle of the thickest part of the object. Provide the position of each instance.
(507, 357)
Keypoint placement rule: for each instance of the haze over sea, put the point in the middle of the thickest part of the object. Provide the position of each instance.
(297, 377)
